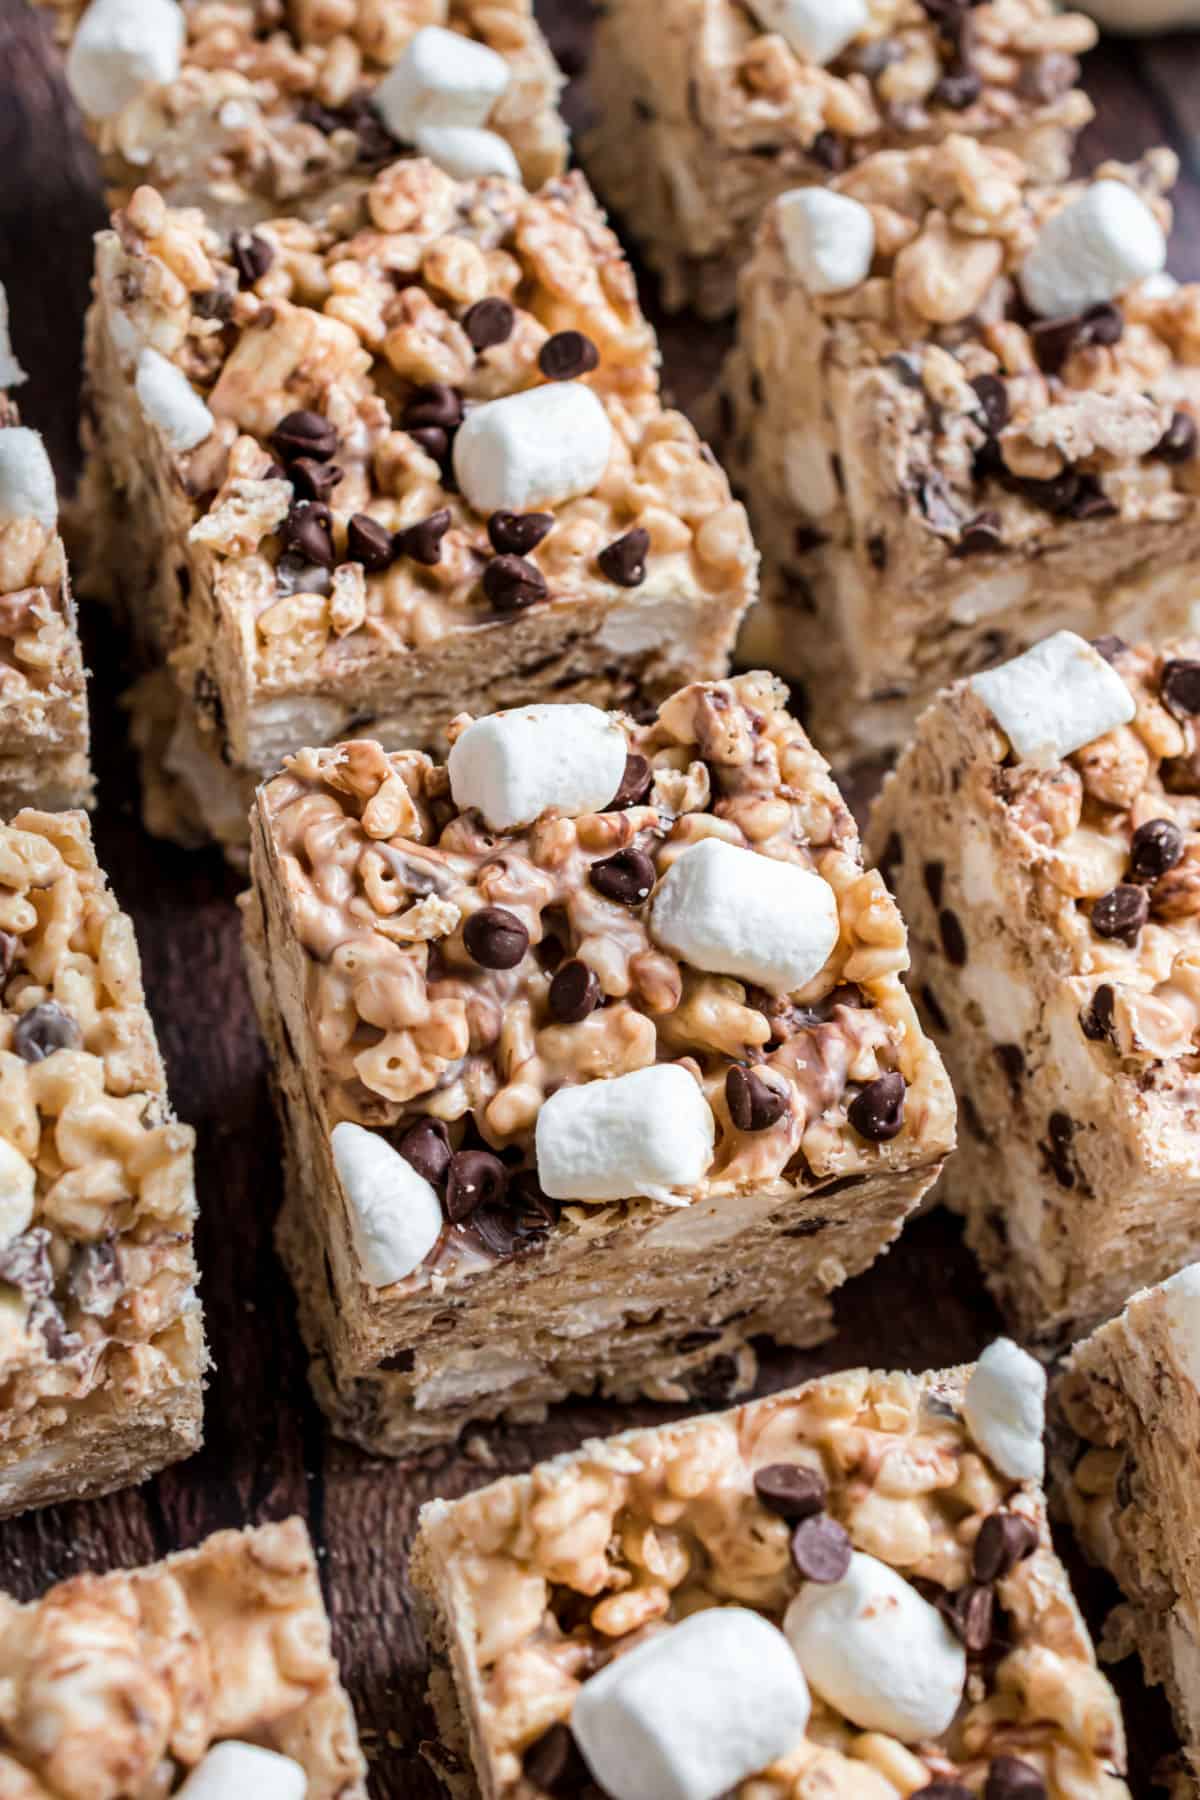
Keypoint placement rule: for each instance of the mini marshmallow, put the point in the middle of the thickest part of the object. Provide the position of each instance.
(27, 488)
(818, 30)
(169, 400)
(1093, 249)
(1005, 1410)
(878, 1653)
(532, 449)
(511, 766)
(694, 1711)
(646, 1134)
(828, 239)
(733, 912)
(395, 1215)
(16, 1192)
(11, 372)
(1181, 1303)
(468, 153)
(1055, 698)
(121, 47)
(443, 78)
(232, 1771)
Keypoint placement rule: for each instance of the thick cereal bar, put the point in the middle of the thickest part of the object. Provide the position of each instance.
(208, 1675)
(1042, 835)
(965, 410)
(710, 108)
(848, 1590)
(547, 1134)
(249, 108)
(101, 1346)
(361, 482)
(1128, 1401)
(43, 699)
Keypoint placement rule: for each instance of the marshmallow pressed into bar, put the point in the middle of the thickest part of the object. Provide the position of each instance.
(27, 486)
(1055, 698)
(650, 1132)
(1091, 250)
(818, 30)
(120, 48)
(442, 79)
(396, 1216)
(1005, 1407)
(733, 912)
(513, 766)
(536, 448)
(234, 1771)
(17, 1186)
(467, 152)
(170, 402)
(828, 239)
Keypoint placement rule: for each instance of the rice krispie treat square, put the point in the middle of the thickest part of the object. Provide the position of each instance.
(964, 408)
(1042, 836)
(207, 1675)
(1128, 1405)
(251, 108)
(592, 1055)
(708, 109)
(102, 1352)
(356, 483)
(848, 1590)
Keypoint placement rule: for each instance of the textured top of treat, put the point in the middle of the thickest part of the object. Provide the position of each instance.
(502, 979)
(37, 638)
(383, 404)
(117, 1685)
(96, 1200)
(810, 1508)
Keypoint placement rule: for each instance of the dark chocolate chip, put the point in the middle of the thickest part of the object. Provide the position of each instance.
(906, 367)
(829, 150)
(490, 321)
(552, 1764)
(877, 1111)
(1109, 647)
(308, 531)
(1097, 1020)
(43, 1030)
(992, 394)
(754, 1105)
(636, 783)
(214, 303)
(495, 938)
(423, 541)
(325, 119)
(821, 1549)
(252, 256)
(567, 355)
(511, 583)
(1004, 1540)
(370, 543)
(877, 550)
(304, 433)
(1008, 1778)
(890, 859)
(574, 992)
(432, 439)
(436, 405)
(933, 874)
(1121, 913)
(1068, 496)
(970, 1614)
(624, 560)
(1011, 1058)
(626, 877)
(791, 1490)
(313, 480)
(426, 1146)
(954, 943)
(1180, 687)
(1178, 442)
(981, 536)
(476, 1178)
(1054, 340)
(1156, 847)
(516, 534)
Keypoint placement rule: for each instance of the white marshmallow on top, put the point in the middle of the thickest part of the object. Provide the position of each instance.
(828, 239)
(735, 912)
(648, 1134)
(1091, 250)
(533, 449)
(1181, 1302)
(443, 78)
(168, 400)
(878, 1653)
(11, 372)
(818, 30)
(17, 1184)
(120, 48)
(1054, 699)
(27, 486)
(512, 766)
(467, 152)
(232, 1771)
(395, 1214)
(1005, 1409)
(694, 1711)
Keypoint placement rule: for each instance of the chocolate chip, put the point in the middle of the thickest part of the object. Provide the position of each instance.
(495, 938)
(890, 860)
(821, 1549)
(1008, 1778)
(636, 783)
(877, 1111)
(933, 874)
(304, 433)
(251, 255)
(489, 322)
(574, 993)
(970, 1614)
(906, 367)
(308, 531)
(627, 877)
(954, 943)
(476, 1178)
(325, 119)
(370, 543)
(313, 480)
(829, 151)
(516, 534)
(43, 1030)
(1068, 496)
(432, 439)
(1054, 340)
(946, 1790)
(426, 1146)
(1004, 1540)
(1057, 1151)
(1180, 687)
(981, 536)
(511, 583)
(1109, 647)
(957, 89)
(992, 395)
(791, 1490)
(1011, 1058)
(1121, 913)
(1178, 442)
(375, 142)
(567, 355)
(877, 550)
(214, 303)
(624, 560)
(435, 405)
(423, 541)
(1097, 1019)
(553, 1765)
(753, 1104)
(1047, 77)
(1156, 847)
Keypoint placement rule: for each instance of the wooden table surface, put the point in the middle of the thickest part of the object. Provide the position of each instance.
(267, 1452)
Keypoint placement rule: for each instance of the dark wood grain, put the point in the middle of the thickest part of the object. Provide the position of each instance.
(267, 1451)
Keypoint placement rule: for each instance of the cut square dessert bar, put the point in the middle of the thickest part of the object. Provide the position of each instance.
(965, 410)
(708, 109)
(848, 1589)
(255, 107)
(359, 482)
(101, 1345)
(592, 1054)
(206, 1675)
(1128, 1402)
(1042, 835)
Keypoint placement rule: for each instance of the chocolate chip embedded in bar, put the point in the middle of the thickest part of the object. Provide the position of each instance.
(1057, 800)
(556, 1024)
(636, 1615)
(964, 418)
(707, 110)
